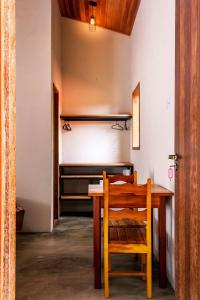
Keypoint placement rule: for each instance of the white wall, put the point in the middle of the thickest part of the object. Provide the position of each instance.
(153, 65)
(56, 46)
(34, 86)
(96, 72)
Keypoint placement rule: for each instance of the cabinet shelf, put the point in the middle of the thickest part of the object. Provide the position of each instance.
(74, 181)
(81, 176)
(75, 197)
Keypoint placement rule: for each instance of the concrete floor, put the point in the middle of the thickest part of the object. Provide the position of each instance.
(58, 265)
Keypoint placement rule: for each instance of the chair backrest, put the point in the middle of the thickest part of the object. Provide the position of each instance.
(128, 195)
(120, 177)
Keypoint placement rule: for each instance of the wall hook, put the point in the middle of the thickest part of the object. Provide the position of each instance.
(67, 126)
(117, 126)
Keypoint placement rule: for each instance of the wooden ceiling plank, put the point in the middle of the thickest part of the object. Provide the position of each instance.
(74, 9)
(101, 13)
(122, 20)
(132, 16)
(86, 10)
(77, 9)
(83, 10)
(71, 8)
(62, 8)
(66, 7)
(110, 14)
(117, 15)
(127, 15)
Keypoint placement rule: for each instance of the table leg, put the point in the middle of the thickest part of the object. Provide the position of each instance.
(162, 244)
(152, 236)
(97, 241)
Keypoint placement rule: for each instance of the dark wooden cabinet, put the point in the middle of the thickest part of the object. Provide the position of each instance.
(74, 181)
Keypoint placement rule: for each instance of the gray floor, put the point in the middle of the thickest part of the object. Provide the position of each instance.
(59, 266)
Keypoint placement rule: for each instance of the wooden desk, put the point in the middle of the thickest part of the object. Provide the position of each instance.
(160, 196)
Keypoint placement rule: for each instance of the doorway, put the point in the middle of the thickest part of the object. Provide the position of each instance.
(7, 150)
(187, 190)
(55, 153)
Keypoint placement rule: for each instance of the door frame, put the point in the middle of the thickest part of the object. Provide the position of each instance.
(187, 143)
(55, 153)
(184, 273)
(7, 150)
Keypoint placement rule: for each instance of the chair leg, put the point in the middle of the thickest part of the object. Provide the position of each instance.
(106, 275)
(109, 262)
(149, 276)
(143, 265)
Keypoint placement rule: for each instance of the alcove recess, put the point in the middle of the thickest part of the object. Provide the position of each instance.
(75, 178)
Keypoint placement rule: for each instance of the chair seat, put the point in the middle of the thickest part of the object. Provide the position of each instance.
(127, 235)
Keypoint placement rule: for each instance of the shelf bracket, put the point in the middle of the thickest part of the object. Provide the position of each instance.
(125, 125)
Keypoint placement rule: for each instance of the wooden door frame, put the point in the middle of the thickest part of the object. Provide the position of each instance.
(187, 140)
(55, 153)
(7, 153)
(7, 150)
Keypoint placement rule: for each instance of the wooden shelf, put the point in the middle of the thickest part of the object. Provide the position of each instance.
(108, 117)
(74, 197)
(81, 176)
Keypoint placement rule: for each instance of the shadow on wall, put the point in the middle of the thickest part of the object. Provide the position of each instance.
(36, 215)
(170, 240)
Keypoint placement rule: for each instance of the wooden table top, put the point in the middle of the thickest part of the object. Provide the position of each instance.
(96, 190)
(114, 164)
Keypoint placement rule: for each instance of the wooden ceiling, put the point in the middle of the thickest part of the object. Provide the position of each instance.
(117, 15)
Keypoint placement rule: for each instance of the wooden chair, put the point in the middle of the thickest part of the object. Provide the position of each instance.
(127, 240)
(114, 225)
(120, 177)
(126, 179)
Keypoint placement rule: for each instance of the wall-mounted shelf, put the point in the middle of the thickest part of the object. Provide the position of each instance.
(108, 117)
